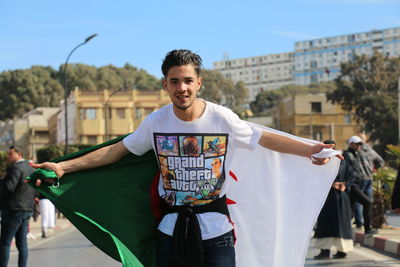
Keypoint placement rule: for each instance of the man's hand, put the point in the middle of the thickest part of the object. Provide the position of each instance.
(316, 149)
(49, 166)
(339, 186)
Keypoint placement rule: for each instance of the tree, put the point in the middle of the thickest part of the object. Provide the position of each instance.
(267, 100)
(3, 163)
(368, 87)
(216, 88)
(23, 90)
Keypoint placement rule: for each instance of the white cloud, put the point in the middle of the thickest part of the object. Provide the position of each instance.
(296, 35)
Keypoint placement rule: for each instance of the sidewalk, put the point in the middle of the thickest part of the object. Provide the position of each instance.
(387, 239)
(35, 231)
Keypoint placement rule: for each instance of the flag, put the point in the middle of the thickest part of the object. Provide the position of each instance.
(274, 201)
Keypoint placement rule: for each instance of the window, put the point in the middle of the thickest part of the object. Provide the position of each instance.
(314, 78)
(316, 107)
(120, 113)
(92, 139)
(347, 118)
(88, 113)
(147, 111)
(138, 113)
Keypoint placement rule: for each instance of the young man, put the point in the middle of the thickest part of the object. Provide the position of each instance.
(190, 134)
(17, 207)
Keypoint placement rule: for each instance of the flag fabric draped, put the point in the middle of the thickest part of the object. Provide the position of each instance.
(274, 198)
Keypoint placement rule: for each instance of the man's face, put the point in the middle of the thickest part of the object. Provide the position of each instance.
(356, 146)
(182, 85)
(13, 156)
(216, 166)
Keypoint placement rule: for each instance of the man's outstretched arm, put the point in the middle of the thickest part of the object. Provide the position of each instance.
(100, 157)
(288, 145)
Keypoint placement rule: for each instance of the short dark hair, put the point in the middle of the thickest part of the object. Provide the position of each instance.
(181, 57)
(329, 142)
(16, 149)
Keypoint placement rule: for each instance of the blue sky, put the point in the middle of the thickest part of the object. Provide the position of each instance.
(43, 32)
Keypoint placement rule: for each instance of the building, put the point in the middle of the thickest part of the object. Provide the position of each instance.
(30, 132)
(259, 73)
(312, 116)
(98, 116)
(312, 61)
(319, 60)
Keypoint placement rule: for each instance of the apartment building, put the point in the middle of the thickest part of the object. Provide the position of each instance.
(259, 73)
(312, 61)
(30, 132)
(319, 60)
(312, 116)
(98, 116)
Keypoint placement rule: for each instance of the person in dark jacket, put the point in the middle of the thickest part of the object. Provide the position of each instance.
(17, 207)
(334, 221)
(361, 189)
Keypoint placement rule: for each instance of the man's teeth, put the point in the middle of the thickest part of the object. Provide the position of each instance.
(182, 96)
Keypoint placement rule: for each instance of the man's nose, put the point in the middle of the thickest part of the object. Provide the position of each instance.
(182, 86)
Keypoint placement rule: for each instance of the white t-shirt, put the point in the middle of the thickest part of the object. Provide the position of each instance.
(193, 157)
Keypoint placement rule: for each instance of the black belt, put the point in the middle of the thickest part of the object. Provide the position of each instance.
(186, 239)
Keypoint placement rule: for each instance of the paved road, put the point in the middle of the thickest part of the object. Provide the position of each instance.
(68, 249)
(72, 249)
(359, 257)
(393, 220)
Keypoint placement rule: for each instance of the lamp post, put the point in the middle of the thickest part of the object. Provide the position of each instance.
(66, 89)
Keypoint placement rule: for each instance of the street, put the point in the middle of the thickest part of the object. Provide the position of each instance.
(72, 249)
(359, 257)
(69, 249)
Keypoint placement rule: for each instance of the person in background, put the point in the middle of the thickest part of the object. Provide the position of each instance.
(361, 188)
(334, 221)
(48, 212)
(17, 207)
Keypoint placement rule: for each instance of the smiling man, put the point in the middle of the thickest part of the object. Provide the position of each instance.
(196, 229)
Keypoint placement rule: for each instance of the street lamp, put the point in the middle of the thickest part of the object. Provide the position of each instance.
(66, 89)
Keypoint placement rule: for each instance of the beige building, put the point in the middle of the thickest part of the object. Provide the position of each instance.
(30, 132)
(95, 117)
(259, 73)
(312, 116)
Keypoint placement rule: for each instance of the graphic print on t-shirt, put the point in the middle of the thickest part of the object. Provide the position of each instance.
(191, 166)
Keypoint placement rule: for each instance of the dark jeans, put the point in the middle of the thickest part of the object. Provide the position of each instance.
(14, 224)
(218, 251)
(366, 188)
(357, 195)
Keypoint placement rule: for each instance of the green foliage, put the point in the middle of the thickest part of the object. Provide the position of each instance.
(267, 100)
(40, 86)
(49, 152)
(3, 163)
(216, 88)
(368, 87)
(52, 151)
(23, 90)
(395, 152)
(383, 184)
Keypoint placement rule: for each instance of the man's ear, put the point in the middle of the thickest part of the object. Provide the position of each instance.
(200, 82)
(164, 83)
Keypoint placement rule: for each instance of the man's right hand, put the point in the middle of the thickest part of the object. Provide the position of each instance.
(56, 167)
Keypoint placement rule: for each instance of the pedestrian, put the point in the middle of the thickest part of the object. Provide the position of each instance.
(334, 221)
(370, 162)
(18, 202)
(361, 189)
(190, 133)
(47, 212)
